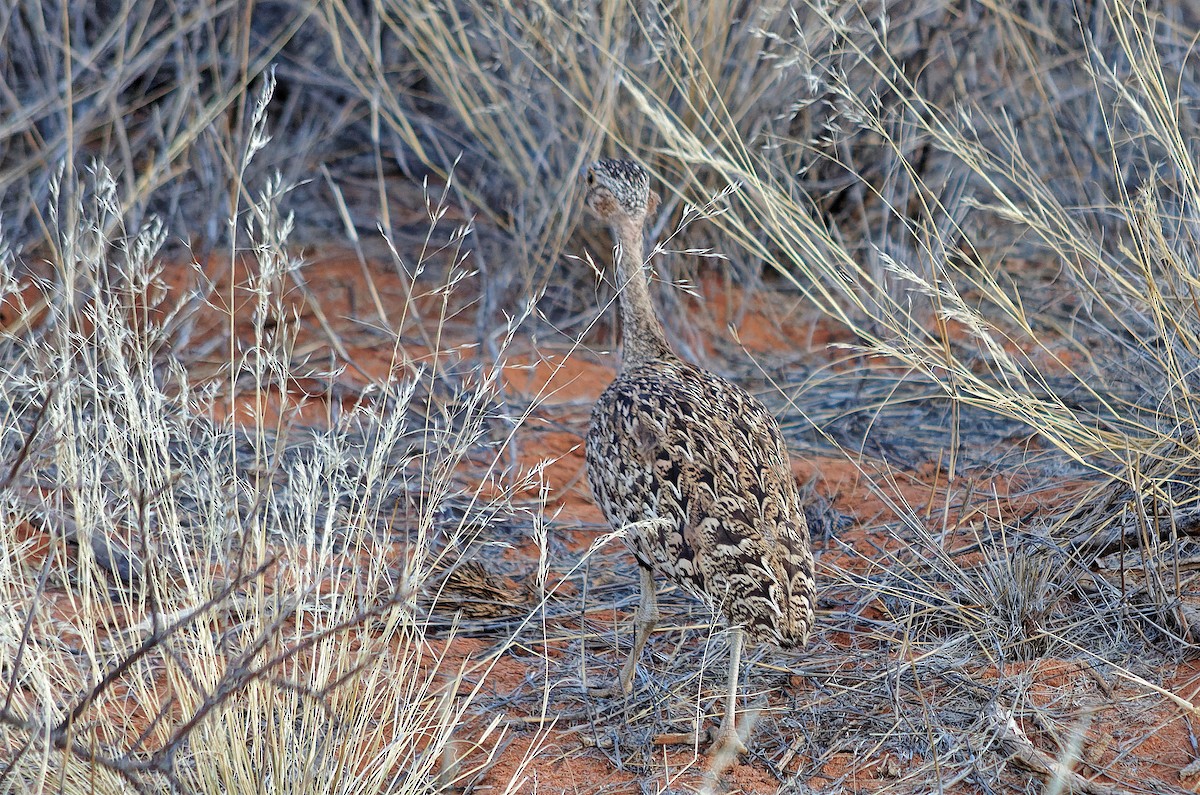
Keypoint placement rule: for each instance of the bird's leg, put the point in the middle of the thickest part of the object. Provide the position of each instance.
(644, 621)
(728, 743)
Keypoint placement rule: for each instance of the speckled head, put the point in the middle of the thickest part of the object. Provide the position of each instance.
(619, 190)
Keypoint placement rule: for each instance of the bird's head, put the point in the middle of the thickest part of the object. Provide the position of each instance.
(618, 192)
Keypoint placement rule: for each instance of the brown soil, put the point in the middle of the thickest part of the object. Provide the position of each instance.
(1131, 734)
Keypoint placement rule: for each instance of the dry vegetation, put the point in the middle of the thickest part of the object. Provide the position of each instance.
(262, 531)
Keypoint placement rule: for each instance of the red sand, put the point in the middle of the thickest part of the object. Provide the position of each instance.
(1143, 737)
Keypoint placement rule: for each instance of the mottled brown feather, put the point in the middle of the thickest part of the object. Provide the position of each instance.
(692, 466)
(669, 441)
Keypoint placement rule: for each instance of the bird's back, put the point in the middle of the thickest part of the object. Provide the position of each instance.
(702, 465)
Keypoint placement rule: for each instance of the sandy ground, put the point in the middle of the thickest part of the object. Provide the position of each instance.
(1137, 736)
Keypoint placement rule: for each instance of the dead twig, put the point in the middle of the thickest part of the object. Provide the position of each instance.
(1055, 771)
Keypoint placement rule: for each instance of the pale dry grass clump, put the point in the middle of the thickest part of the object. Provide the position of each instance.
(217, 606)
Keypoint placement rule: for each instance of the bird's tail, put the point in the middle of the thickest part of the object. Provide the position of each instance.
(795, 568)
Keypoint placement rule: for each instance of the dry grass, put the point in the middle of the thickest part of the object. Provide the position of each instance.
(995, 206)
(221, 607)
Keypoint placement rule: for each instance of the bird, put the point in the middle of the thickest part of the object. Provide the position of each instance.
(692, 469)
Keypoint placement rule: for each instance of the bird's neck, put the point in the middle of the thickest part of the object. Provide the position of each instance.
(642, 332)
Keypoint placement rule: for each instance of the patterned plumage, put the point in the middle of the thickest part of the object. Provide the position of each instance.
(692, 467)
(669, 440)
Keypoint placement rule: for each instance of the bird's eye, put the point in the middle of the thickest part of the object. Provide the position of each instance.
(591, 177)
